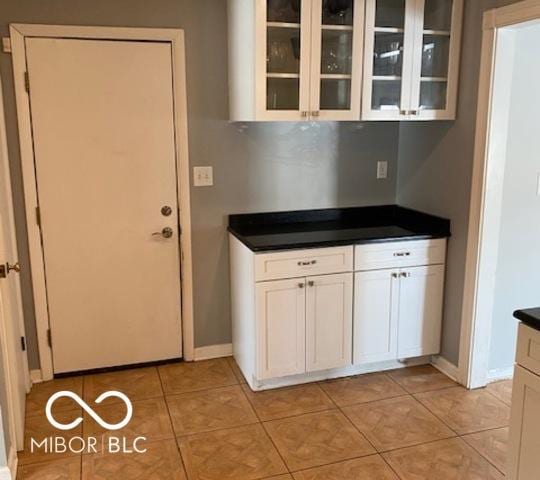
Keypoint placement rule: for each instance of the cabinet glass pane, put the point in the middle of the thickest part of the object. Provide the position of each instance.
(390, 13)
(283, 93)
(388, 54)
(336, 52)
(435, 56)
(433, 95)
(335, 94)
(287, 11)
(283, 50)
(438, 15)
(337, 12)
(386, 95)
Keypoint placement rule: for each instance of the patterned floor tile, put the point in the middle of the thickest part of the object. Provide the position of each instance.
(150, 419)
(67, 469)
(38, 428)
(160, 462)
(137, 384)
(372, 468)
(209, 410)
(491, 444)
(397, 423)
(243, 453)
(501, 390)
(193, 376)
(236, 370)
(423, 378)
(466, 411)
(443, 460)
(317, 439)
(41, 392)
(361, 389)
(288, 402)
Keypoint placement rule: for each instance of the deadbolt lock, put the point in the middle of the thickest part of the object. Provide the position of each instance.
(166, 211)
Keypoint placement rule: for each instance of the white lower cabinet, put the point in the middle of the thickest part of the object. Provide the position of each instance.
(524, 448)
(329, 303)
(306, 312)
(420, 311)
(398, 311)
(376, 296)
(281, 326)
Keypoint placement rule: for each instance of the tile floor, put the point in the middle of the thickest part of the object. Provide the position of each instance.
(203, 423)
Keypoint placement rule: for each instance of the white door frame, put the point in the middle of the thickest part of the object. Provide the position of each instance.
(176, 38)
(486, 192)
(15, 361)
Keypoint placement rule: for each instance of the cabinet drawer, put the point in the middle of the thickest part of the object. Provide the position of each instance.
(299, 263)
(528, 349)
(399, 254)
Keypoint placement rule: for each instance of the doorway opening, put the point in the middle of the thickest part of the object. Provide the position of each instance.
(503, 260)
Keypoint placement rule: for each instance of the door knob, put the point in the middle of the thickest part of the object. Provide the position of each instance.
(167, 232)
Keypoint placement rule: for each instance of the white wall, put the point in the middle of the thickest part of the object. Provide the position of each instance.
(518, 265)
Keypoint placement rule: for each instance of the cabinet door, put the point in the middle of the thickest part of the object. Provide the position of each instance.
(329, 321)
(336, 61)
(420, 311)
(376, 297)
(388, 59)
(281, 325)
(524, 460)
(435, 72)
(283, 59)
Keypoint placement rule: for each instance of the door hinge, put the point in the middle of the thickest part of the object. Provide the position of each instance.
(23, 344)
(49, 338)
(38, 216)
(27, 82)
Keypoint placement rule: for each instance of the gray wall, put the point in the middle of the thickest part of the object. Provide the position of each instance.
(518, 265)
(435, 169)
(257, 167)
(5, 441)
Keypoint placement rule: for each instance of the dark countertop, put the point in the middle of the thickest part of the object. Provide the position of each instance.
(529, 317)
(334, 227)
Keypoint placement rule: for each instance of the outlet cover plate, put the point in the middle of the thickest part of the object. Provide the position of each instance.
(382, 170)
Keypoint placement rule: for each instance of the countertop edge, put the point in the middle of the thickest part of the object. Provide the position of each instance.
(530, 317)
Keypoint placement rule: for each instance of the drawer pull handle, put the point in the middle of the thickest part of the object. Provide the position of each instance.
(402, 254)
(307, 264)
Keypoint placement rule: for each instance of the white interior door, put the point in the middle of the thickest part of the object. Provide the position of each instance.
(329, 321)
(103, 129)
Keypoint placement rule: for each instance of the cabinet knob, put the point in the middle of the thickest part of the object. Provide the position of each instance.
(301, 285)
(405, 274)
(395, 275)
(311, 283)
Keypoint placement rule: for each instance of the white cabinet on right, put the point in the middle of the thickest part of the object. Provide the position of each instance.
(398, 300)
(411, 59)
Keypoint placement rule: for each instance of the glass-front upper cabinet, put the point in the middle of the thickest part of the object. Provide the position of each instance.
(295, 59)
(411, 59)
(336, 59)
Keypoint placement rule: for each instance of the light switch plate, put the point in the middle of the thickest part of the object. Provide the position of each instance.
(203, 176)
(382, 170)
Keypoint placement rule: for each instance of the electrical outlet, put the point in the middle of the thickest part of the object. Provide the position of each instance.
(203, 176)
(6, 44)
(382, 170)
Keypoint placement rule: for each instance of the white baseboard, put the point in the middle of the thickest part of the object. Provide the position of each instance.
(498, 374)
(213, 351)
(446, 367)
(5, 473)
(349, 371)
(35, 376)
